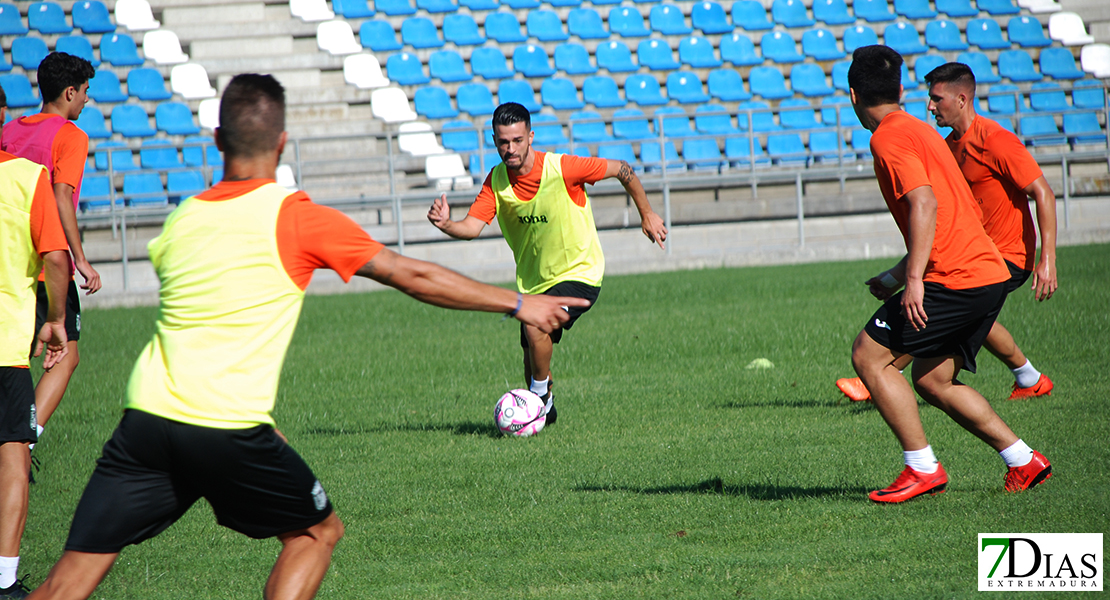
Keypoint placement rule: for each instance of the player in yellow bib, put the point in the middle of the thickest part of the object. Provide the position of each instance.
(543, 211)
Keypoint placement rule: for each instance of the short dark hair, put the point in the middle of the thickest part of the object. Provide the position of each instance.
(510, 113)
(876, 75)
(60, 71)
(952, 72)
(3, 100)
(252, 115)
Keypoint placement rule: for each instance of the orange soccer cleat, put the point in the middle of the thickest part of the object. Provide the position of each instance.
(1043, 387)
(854, 389)
(911, 484)
(1023, 478)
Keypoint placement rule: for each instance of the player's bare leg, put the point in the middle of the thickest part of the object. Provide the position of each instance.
(935, 379)
(1028, 381)
(304, 560)
(15, 464)
(537, 356)
(891, 393)
(75, 576)
(1000, 343)
(53, 383)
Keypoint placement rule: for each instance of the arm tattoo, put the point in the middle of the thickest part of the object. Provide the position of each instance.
(625, 174)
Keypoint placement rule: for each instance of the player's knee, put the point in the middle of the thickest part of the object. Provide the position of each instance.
(330, 531)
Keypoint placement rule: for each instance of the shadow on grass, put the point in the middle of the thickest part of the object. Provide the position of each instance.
(719, 487)
(464, 428)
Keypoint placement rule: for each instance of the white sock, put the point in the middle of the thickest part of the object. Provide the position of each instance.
(1017, 455)
(8, 567)
(1026, 375)
(923, 460)
(539, 388)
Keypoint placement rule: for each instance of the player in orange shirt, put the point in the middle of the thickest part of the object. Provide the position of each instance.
(1003, 176)
(954, 281)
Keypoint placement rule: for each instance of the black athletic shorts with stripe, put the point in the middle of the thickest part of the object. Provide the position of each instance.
(17, 406)
(153, 469)
(573, 289)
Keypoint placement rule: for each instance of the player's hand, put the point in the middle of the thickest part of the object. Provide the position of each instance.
(1044, 279)
(440, 212)
(547, 313)
(654, 229)
(53, 336)
(92, 278)
(878, 289)
(913, 304)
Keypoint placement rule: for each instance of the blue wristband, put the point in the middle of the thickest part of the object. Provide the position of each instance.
(519, 303)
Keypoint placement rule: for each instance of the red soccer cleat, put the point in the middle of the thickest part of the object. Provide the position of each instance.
(1043, 387)
(1023, 478)
(854, 389)
(911, 484)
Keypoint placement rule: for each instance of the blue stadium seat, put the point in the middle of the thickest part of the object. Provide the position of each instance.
(503, 27)
(77, 45)
(478, 5)
(823, 145)
(588, 126)
(768, 83)
(420, 32)
(861, 143)
(200, 151)
(1058, 63)
(184, 184)
(697, 52)
(1017, 65)
(47, 18)
(491, 158)
(787, 149)
(904, 38)
(873, 11)
(944, 35)
(761, 120)
(147, 84)
(986, 34)
(462, 30)
(703, 155)
(378, 36)
(820, 44)
(1084, 128)
(559, 93)
(447, 66)
(586, 24)
(632, 124)
(144, 190)
(917, 104)
(840, 74)
(18, 90)
(175, 118)
(119, 50)
(710, 18)
(602, 92)
(11, 23)
(460, 136)
(159, 154)
(5, 66)
(674, 122)
(404, 68)
(655, 54)
(519, 91)
(667, 19)
(546, 26)
(1027, 32)
(522, 4)
(714, 119)
(96, 192)
(432, 102)
(727, 86)
(395, 8)
(650, 157)
(91, 122)
(980, 66)
(567, 3)
(104, 87)
(353, 9)
(780, 47)
(998, 7)
(750, 15)
(130, 120)
(475, 99)
(914, 9)
(743, 151)
(956, 8)
(532, 61)
(437, 6)
(1048, 97)
(1040, 130)
(685, 87)
(489, 63)
(809, 80)
(832, 12)
(643, 90)
(615, 57)
(28, 52)
(1006, 123)
(122, 158)
(548, 131)
(790, 13)
(796, 113)
(1002, 100)
(621, 151)
(1088, 93)
(739, 50)
(627, 22)
(860, 35)
(908, 82)
(573, 59)
(833, 107)
(925, 64)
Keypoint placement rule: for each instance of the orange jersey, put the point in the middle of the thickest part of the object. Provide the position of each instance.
(909, 154)
(46, 228)
(998, 168)
(309, 236)
(577, 172)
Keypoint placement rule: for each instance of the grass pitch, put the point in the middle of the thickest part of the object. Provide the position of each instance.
(673, 472)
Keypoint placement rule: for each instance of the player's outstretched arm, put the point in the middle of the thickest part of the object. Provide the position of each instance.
(440, 216)
(436, 285)
(651, 223)
(1044, 273)
(53, 332)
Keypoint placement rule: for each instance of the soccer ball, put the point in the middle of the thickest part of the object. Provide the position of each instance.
(520, 413)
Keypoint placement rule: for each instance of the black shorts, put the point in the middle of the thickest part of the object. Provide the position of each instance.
(959, 321)
(73, 312)
(573, 289)
(153, 469)
(1018, 277)
(17, 406)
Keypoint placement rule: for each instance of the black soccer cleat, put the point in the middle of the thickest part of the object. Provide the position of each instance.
(15, 591)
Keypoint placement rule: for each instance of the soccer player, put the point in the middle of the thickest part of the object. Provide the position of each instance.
(50, 139)
(540, 202)
(233, 263)
(31, 238)
(954, 281)
(1003, 176)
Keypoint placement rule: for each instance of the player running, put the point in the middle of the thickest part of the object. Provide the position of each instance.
(954, 280)
(1003, 176)
(233, 263)
(540, 201)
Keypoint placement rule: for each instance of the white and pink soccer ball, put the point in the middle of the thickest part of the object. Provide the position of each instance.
(520, 413)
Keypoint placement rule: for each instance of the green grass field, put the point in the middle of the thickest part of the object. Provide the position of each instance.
(674, 472)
